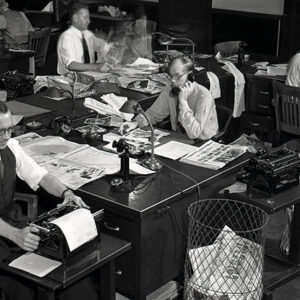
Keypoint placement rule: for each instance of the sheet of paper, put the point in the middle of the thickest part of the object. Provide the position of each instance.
(174, 150)
(26, 138)
(144, 61)
(35, 264)
(114, 101)
(78, 227)
(98, 75)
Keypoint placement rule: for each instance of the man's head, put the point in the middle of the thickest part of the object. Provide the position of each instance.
(179, 70)
(80, 16)
(6, 125)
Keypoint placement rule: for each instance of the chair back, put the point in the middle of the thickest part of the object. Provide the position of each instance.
(227, 48)
(224, 115)
(287, 107)
(39, 41)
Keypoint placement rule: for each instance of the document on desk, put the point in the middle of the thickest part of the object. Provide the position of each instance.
(35, 264)
(78, 227)
(174, 150)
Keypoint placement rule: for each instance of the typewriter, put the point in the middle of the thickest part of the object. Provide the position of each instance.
(272, 172)
(53, 242)
(16, 84)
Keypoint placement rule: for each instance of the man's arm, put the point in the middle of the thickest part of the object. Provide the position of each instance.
(26, 238)
(81, 67)
(57, 189)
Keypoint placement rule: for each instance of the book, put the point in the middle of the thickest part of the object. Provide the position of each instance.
(213, 155)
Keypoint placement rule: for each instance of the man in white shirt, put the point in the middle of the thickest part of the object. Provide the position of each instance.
(77, 45)
(14, 230)
(293, 76)
(191, 108)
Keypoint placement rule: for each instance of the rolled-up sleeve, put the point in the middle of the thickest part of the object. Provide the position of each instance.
(26, 168)
(67, 50)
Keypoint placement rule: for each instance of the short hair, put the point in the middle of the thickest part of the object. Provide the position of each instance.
(3, 108)
(75, 8)
(186, 61)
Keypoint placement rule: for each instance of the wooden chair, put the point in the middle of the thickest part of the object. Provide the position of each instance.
(287, 107)
(227, 48)
(224, 117)
(39, 41)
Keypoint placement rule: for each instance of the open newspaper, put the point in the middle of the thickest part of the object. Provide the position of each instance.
(213, 155)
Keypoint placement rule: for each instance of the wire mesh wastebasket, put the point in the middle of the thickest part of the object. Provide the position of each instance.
(225, 251)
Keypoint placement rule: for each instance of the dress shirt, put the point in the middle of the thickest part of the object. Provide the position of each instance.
(69, 47)
(198, 117)
(293, 76)
(26, 168)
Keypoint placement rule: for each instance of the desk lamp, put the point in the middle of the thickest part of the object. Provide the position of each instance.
(167, 40)
(73, 78)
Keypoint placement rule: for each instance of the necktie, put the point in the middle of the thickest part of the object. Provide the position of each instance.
(86, 54)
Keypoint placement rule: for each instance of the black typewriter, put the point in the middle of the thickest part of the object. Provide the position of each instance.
(53, 242)
(16, 84)
(272, 172)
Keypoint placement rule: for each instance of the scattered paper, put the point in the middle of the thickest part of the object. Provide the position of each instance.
(26, 138)
(237, 187)
(174, 150)
(144, 61)
(78, 227)
(260, 64)
(35, 264)
(276, 71)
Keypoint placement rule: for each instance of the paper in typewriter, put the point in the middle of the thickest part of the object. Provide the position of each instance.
(78, 227)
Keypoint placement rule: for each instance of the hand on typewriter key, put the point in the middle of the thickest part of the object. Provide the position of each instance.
(70, 197)
(27, 238)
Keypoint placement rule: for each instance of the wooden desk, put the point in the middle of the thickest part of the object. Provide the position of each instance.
(17, 61)
(278, 269)
(101, 258)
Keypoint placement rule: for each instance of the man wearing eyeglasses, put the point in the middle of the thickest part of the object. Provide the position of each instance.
(190, 106)
(14, 230)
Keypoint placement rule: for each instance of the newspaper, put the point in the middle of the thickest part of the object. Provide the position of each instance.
(109, 109)
(231, 267)
(71, 174)
(251, 141)
(49, 148)
(26, 138)
(213, 155)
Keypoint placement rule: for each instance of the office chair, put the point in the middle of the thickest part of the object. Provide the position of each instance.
(39, 41)
(227, 48)
(287, 107)
(224, 115)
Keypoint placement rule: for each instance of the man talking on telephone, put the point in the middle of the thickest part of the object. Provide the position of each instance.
(190, 105)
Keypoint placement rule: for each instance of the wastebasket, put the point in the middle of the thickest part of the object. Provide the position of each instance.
(225, 251)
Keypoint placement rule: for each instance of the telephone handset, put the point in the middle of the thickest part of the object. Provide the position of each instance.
(174, 92)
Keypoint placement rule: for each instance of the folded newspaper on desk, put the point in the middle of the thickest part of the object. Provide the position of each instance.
(213, 155)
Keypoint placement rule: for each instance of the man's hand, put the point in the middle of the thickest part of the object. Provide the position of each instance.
(70, 197)
(183, 95)
(128, 126)
(27, 238)
(103, 67)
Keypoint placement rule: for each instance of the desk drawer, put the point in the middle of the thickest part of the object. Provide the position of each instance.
(259, 96)
(125, 272)
(258, 123)
(118, 227)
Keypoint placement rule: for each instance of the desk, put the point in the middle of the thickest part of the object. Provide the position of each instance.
(102, 258)
(149, 216)
(23, 62)
(278, 269)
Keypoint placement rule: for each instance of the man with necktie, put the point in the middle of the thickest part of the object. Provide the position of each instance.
(14, 231)
(77, 45)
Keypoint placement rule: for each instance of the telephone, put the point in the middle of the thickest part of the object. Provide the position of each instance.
(61, 125)
(174, 92)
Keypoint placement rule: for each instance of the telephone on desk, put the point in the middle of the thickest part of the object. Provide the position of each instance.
(61, 125)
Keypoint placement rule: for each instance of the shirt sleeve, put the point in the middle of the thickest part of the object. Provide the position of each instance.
(194, 121)
(67, 50)
(158, 111)
(26, 168)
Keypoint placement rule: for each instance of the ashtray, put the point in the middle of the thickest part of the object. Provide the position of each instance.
(34, 125)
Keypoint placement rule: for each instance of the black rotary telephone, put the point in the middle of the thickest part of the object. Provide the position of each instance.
(174, 92)
(61, 125)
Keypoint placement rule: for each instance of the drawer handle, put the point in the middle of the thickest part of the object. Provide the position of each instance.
(254, 124)
(263, 106)
(116, 228)
(264, 93)
(119, 272)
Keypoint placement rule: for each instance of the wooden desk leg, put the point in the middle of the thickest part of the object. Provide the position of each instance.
(45, 294)
(108, 281)
(295, 233)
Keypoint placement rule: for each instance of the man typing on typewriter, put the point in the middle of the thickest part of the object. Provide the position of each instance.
(13, 229)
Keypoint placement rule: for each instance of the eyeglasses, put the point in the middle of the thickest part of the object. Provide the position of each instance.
(6, 130)
(176, 77)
